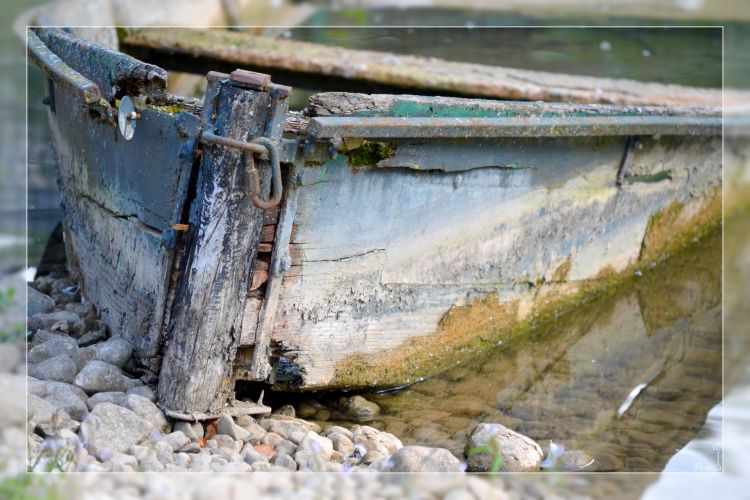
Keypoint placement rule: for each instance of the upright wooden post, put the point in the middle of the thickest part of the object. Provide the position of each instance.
(203, 330)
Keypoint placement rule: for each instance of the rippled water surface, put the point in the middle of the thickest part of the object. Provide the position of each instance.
(568, 381)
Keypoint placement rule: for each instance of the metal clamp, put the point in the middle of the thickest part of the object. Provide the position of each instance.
(261, 146)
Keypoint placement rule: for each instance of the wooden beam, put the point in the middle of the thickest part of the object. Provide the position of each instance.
(204, 329)
(413, 73)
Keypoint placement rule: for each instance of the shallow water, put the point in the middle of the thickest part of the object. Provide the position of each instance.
(567, 379)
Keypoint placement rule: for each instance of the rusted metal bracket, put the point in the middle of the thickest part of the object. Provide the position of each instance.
(263, 147)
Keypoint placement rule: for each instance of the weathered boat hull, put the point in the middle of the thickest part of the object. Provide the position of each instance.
(410, 230)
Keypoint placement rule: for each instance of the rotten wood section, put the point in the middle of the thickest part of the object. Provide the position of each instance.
(116, 74)
(203, 331)
(193, 50)
(120, 199)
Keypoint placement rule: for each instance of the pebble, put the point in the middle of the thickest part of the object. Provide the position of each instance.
(92, 337)
(285, 461)
(148, 411)
(115, 397)
(359, 408)
(111, 428)
(520, 453)
(422, 459)
(145, 391)
(226, 426)
(187, 429)
(374, 440)
(38, 302)
(67, 397)
(98, 376)
(60, 368)
(115, 351)
(176, 440)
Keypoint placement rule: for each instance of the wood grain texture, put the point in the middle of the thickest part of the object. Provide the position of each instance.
(386, 253)
(205, 324)
(427, 75)
(114, 217)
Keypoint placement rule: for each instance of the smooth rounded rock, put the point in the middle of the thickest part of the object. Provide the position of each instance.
(423, 459)
(110, 428)
(67, 397)
(519, 453)
(60, 368)
(98, 376)
(117, 398)
(147, 411)
(115, 351)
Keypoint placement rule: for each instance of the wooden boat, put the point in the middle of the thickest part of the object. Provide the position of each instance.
(370, 240)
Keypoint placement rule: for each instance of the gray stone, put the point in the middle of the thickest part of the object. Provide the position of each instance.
(150, 463)
(359, 408)
(38, 302)
(261, 467)
(309, 425)
(423, 459)
(317, 444)
(272, 439)
(145, 391)
(60, 368)
(255, 432)
(199, 462)
(42, 336)
(251, 456)
(182, 460)
(341, 430)
(53, 347)
(67, 397)
(191, 448)
(98, 376)
(286, 410)
(111, 428)
(284, 428)
(187, 429)
(286, 447)
(372, 457)
(115, 351)
(117, 398)
(92, 337)
(147, 410)
(121, 462)
(286, 462)
(341, 443)
(223, 441)
(176, 440)
(519, 453)
(308, 460)
(227, 427)
(374, 440)
(306, 409)
(35, 386)
(46, 321)
(10, 356)
(46, 417)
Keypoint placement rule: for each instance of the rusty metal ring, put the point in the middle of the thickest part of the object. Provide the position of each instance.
(273, 157)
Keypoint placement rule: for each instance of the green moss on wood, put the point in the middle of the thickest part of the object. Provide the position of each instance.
(370, 153)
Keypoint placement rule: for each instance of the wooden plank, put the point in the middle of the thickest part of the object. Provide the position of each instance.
(205, 325)
(391, 251)
(115, 217)
(115, 73)
(427, 75)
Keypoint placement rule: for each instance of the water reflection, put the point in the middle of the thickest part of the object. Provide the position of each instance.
(566, 381)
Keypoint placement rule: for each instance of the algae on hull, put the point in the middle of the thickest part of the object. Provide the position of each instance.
(467, 330)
